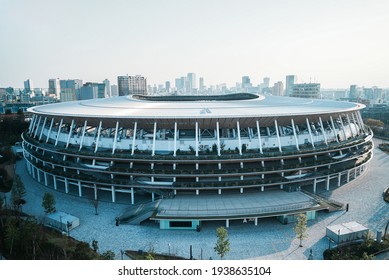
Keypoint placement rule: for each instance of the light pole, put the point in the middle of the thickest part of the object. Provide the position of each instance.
(169, 249)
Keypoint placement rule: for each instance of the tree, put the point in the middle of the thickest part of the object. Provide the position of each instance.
(95, 245)
(301, 228)
(223, 243)
(48, 203)
(374, 123)
(17, 192)
(108, 255)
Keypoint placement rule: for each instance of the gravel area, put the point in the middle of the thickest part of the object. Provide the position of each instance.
(269, 240)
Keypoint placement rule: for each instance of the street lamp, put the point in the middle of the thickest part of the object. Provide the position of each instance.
(169, 249)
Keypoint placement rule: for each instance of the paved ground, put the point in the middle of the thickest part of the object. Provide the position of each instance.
(268, 240)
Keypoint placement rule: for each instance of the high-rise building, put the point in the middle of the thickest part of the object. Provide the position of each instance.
(266, 82)
(290, 81)
(246, 83)
(353, 92)
(101, 90)
(28, 86)
(167, 86)
(114, 90)
(71, 88)
(191, 83)
(201, 84)
(278, 89)
(54, 87)
(89, 91)
(107, 87)
(132, 85)
(311, 90)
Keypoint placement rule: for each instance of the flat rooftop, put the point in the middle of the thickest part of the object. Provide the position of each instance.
(235, 205)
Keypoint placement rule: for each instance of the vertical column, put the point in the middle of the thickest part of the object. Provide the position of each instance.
(115, 137)
(339, 178)
(37, 126)
(83, 134)
(348, 176)
(227, 223)
(66, 185)
(314, 185)
(98, 136)
(295, 135)
(255, 221)
(132, 196)
(113, 193)
(154, 137)
(31, 123)
(328, 183)
(55, 182)
(218, 138)
(59, 131)
(197, 138)
(79, 189)
(43, 128)
(50, 128)
(95, 191)
(360, 121)
(152, 196)
(349, 125)
(134, 138)
(343, 129)
(45, 176)
(70, 133)
(310, 132)
(334, 129)
(323, 131)
(278, 135)
(175, 139)
(259, 137)
(239, 140)
(355, 124)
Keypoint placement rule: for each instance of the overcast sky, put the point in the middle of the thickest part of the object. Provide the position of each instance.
(334, 42)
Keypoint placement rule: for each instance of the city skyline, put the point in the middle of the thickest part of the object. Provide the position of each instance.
(335, 43)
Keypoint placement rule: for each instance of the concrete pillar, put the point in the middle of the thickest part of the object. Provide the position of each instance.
(39, 175)
(339, 179)
(66, 185)
(132, 196)
(70, 133)
(79, 189)
(134, 138)
(295, 135)
(43, 128)
(154, 137)
(31, 123)
(197, 139)
(334, 129)
(343, 128)
(174, 192)
(310, 132)
(259, 137)
(227, 223)
(152, 196)
(113, 193)
(323, 131)
(95, 191)
(115, 138)
(218, 138)
(314, 185)
(255, 221)
(241, 190)
(239, 140)
(348, 176)
(37, 126)
(328, 183)
(175, 139)
(55, 182)
(197, 192)
(83, 134)
(50, 128)
(278, 135)
(45, 176)
(59, 132)
(219, 191)
(262, 188)
(349, 125)
(98, 136)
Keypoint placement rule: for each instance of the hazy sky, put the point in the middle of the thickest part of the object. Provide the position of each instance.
(334, 42)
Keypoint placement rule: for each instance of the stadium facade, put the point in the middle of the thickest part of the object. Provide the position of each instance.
(218, 156)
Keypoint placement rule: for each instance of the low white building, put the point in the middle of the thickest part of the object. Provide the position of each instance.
(62, 221)
(346, 232)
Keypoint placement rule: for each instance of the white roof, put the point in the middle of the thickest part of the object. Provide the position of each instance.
(129, 107)
(347, 228)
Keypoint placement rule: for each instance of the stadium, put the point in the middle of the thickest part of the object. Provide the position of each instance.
(184, 160)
